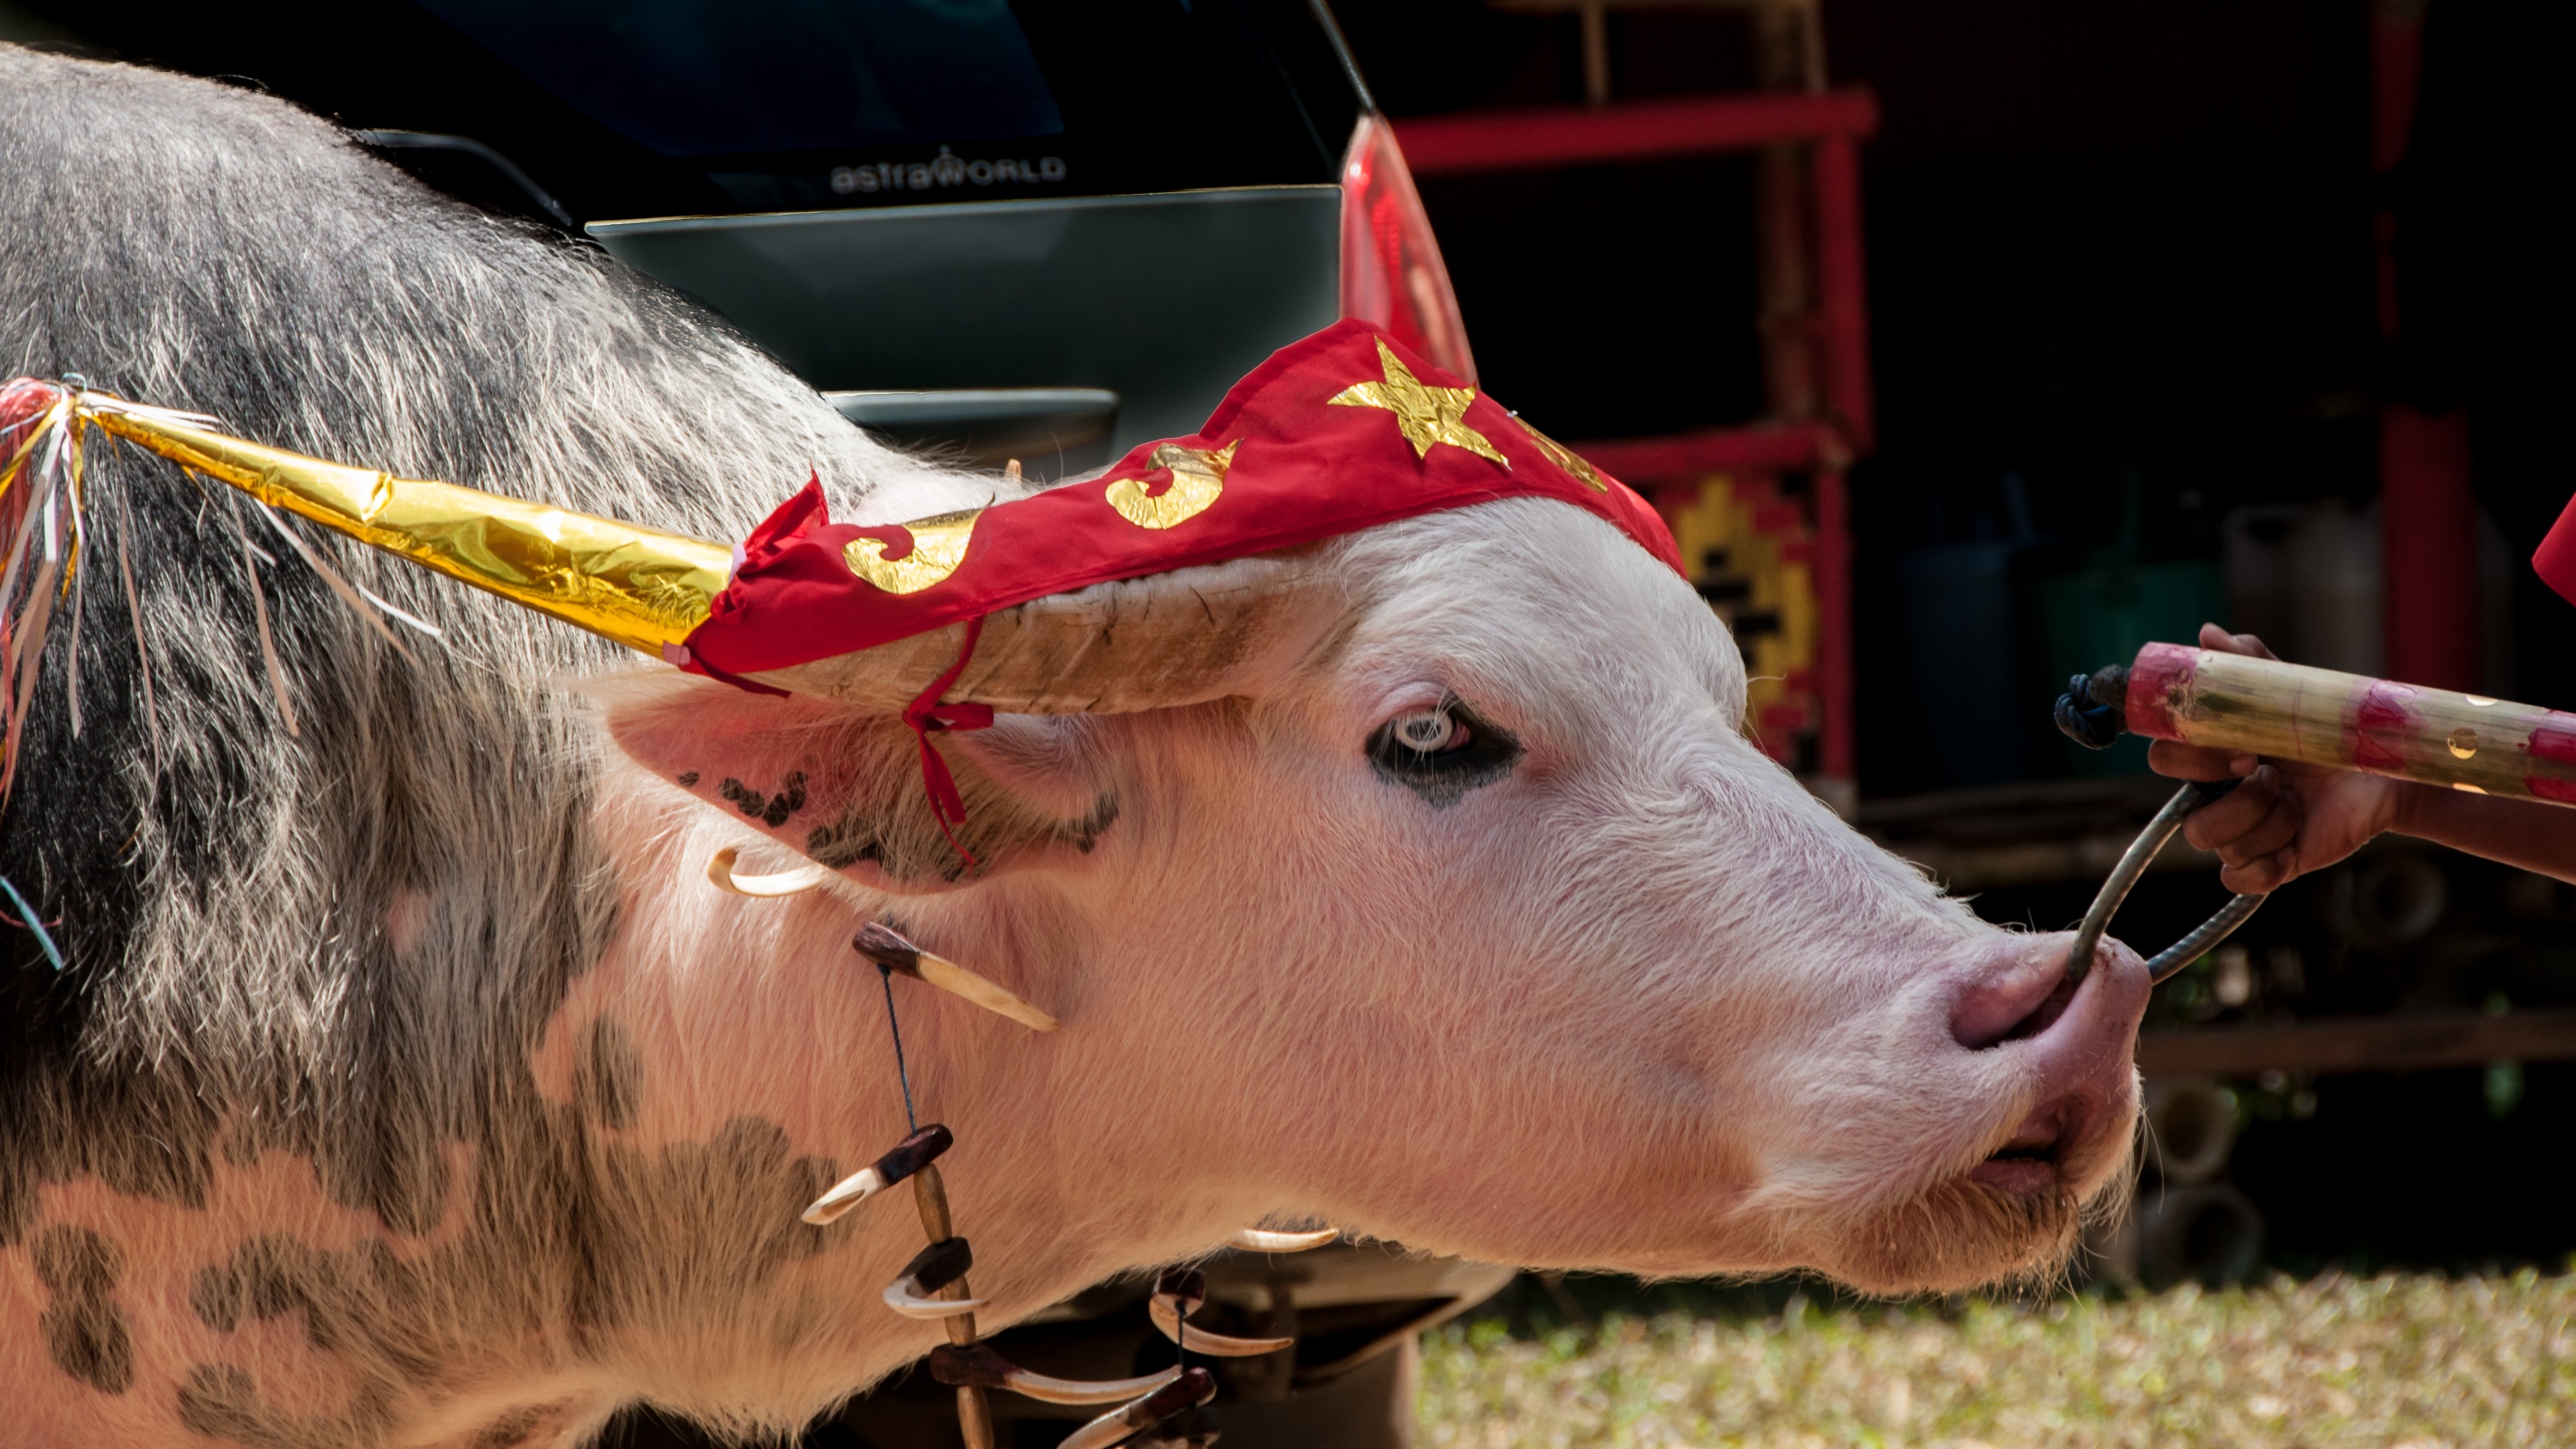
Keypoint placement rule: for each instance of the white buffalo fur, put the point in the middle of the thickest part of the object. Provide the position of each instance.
(1642, 1005)
(411, 1085)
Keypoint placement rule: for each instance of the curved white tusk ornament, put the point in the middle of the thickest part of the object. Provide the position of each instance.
(908, 1157)
(888, 948)
(1177, 1295)
(931, 1269)
(985, 1369)
(1266, 1240)
(785, 883)
(1193, 1387)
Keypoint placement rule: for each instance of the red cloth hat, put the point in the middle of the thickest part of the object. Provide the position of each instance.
(1342, 431)
(2555, 559)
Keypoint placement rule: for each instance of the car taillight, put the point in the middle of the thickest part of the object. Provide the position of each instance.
(1392, 274)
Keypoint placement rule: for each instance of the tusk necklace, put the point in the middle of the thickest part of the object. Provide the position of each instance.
(1170, 1407)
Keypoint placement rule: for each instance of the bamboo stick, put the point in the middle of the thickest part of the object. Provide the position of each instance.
(2320, 717)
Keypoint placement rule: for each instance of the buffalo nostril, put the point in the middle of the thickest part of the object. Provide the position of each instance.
(2043, 1016)
(2012, 1006)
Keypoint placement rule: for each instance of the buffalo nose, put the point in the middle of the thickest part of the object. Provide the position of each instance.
(2019, 997)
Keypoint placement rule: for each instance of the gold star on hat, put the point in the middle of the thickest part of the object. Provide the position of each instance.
(1425, 415)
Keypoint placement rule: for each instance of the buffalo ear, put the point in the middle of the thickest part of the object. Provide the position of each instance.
(843, 786)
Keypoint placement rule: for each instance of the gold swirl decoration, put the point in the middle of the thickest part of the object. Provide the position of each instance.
(1565, 457)
(1198, 476)
(938, 547)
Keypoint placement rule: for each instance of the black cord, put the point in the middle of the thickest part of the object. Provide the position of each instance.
(885, 975)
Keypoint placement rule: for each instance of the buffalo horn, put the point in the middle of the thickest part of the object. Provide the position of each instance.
(1194, 1386)
(931, 1269)
(785, 883)
(644, 588)
(888, 948)
(1265, 1240)
(1182, 637)
(981, 1367)
(908, 1157)
(1178, 1294)
(1170, 639)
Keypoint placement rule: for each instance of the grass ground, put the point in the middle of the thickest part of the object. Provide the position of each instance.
(2395, 1360)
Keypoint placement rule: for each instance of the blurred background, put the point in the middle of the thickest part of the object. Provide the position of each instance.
(2169, 309)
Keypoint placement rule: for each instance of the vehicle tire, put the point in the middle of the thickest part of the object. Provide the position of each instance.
(2204, 1232)
(2191, 1128)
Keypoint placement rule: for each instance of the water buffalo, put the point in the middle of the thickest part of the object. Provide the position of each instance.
(406, 1083)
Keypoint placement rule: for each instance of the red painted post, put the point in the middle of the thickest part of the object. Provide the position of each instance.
(1784, 267)
(2429, 512)
(1842, 315)
(1838, 755)
(2428, 509)
(1842, 324)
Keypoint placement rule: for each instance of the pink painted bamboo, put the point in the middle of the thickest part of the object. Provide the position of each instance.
(2406, 731)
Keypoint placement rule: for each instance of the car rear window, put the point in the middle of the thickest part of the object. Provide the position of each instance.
(644, 108)
(692, 78)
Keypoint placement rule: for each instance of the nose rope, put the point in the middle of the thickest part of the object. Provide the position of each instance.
(2133, 864)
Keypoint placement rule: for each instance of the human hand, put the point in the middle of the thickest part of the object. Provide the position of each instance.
(2286, 819)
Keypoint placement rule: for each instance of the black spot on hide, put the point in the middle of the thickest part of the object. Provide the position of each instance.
(215, 1295)
(751, 802)
(89, 1341)
(608, 1076)
(159, 1148)
(270, 1277)
(688, 779)
(221, 1401)
(742, 1188)
(769, 810)
(844, 844)
(402, 1177)
(74, 1262)
(789, 800)
(84, 1329)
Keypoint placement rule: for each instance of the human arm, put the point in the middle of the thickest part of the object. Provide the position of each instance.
(2288, 819)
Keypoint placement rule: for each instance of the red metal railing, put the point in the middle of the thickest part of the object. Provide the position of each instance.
(1631, 131)
(1832, 124)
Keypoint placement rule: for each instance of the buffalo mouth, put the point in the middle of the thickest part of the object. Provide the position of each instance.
(1964, 1233)
(2014, 1216)
(2034, 1159)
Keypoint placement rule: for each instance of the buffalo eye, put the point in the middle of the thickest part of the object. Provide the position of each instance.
(1441, 752)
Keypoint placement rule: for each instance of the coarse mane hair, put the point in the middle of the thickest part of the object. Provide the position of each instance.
(217, 878)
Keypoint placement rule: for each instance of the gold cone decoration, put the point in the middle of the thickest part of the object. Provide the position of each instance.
(641, 587)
